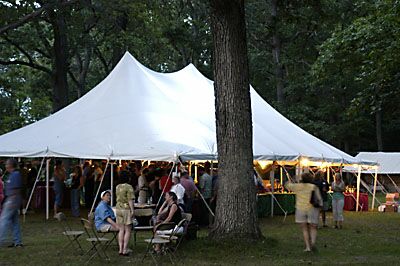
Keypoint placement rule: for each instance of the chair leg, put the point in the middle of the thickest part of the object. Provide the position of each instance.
(134, 236)
(96, 251)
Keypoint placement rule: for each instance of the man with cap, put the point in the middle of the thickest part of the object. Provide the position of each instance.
(104, 217)
(12, 203)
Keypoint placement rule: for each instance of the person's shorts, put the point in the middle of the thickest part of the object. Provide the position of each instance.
(124, 216)
(311, 216)
(325, 206)
(105, 228)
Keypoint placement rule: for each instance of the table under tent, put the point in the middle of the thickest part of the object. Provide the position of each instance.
(385, 179)
(139, 114)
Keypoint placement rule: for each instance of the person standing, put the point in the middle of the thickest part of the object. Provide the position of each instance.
(1, 189)
(322, 184)
(12, 203)
(97, 177)
(178, 189)
(143, 187)
(59, 177)
(124, 212)
(190, 190)
(338, 188)
(306, 214)
(205, 184)
(76, 185)
(88, 184)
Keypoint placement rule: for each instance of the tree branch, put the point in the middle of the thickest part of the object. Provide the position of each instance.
(29, 64)
(34, 15)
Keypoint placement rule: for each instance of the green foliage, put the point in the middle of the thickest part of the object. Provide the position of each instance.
(339, 58)
(360, 65)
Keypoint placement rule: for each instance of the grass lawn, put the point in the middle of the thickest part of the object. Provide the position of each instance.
(369, 237)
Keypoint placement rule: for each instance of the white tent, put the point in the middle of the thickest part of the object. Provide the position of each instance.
(389, 162)
(136, 113)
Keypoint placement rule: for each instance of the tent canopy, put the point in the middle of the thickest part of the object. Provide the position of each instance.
(138, 114)
(389, 162)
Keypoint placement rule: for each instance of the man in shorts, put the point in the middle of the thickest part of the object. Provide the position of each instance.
(104, 217)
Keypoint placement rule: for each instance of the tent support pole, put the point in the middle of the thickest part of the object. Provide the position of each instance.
(33, 188)
(98, 189)
(373, 196)
(358, 187)
(328, 174)
(112, 184)
(272, 181)
(47, 188)
(298, 171)
(165, 185)
(281, 175)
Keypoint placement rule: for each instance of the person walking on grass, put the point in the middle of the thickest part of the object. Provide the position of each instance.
(306, 214)
(13, 200)
(338, 188)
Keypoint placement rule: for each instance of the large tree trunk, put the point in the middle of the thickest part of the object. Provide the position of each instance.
(60, 88)
(276, 54)
(236, 215)
(378, 119)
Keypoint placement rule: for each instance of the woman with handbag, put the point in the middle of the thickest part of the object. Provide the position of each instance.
(308, 202)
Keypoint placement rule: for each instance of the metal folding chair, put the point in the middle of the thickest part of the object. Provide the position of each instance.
(72, 235)
(114, 234)
(187, 217)
(142, 213)
(163, 242)
(178, 234)
(98, 243)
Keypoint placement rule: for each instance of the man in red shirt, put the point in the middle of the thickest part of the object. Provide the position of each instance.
(165, 182)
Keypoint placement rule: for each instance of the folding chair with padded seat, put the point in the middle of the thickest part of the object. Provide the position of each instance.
(99, 244)
(163, 242)
(178, 233)
(142, 213)
(72, 235)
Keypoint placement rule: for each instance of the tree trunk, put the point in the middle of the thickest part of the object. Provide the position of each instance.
(121, 24)
(276, 54)
(60, 89)
(236, 215)
(378, 119)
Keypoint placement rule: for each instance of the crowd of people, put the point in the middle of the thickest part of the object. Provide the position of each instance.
(170, 188)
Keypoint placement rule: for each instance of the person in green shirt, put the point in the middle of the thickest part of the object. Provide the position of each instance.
(124, 212)
(338, 188)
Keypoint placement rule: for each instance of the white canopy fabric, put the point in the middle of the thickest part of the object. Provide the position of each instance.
(138, 114)
(389, 162)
